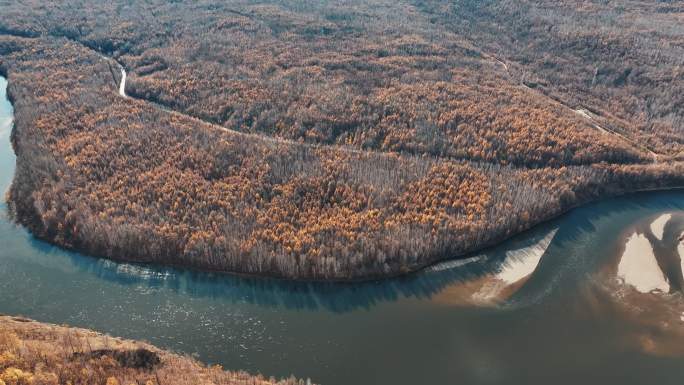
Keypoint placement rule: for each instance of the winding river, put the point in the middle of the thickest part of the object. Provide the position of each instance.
(566, 303)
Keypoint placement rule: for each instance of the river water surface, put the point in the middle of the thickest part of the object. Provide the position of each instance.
(592, 297)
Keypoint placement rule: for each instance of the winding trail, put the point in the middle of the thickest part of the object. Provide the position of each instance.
(586, 114)
(269, 139)
(581, 111)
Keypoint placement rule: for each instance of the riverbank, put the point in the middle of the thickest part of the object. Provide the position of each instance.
(37, 353)
(122, 179)
(280, 327)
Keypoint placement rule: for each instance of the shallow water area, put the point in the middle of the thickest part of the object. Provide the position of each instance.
(551, 305)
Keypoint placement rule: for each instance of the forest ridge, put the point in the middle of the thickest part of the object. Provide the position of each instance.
(332, 140)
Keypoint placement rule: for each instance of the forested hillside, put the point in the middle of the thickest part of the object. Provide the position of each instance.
(378, 76)
(622, 60)
(325, 140)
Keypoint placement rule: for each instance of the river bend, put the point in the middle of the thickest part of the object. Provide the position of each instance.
(559, 304)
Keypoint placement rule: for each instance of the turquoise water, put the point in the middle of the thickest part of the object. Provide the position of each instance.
(535, 310)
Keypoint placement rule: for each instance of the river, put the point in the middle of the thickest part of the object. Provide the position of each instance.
(562, 304)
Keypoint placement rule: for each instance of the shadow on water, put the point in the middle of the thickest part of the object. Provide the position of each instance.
(573, 231)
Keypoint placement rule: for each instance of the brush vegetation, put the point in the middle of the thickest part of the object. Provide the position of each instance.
(33, 353)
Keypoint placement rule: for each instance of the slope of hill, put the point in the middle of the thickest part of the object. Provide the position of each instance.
(36, 353)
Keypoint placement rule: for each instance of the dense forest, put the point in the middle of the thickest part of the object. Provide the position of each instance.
(33, 353)
(329, 74)
(623, 61)
(326, 141)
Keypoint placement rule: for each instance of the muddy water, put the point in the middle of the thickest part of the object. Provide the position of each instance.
(589, 298)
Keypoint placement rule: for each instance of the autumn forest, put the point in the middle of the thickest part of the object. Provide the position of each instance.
(314, 140)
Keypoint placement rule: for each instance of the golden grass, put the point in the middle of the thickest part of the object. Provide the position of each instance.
(33, 353)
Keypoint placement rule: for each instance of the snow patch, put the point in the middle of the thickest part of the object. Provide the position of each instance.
(454, 263)
(638, 267)
(122, 84)
(521, 263)
(5, 123)
(680, 251)
(658, 226)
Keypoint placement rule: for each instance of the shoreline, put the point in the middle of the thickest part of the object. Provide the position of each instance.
(375, 278)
